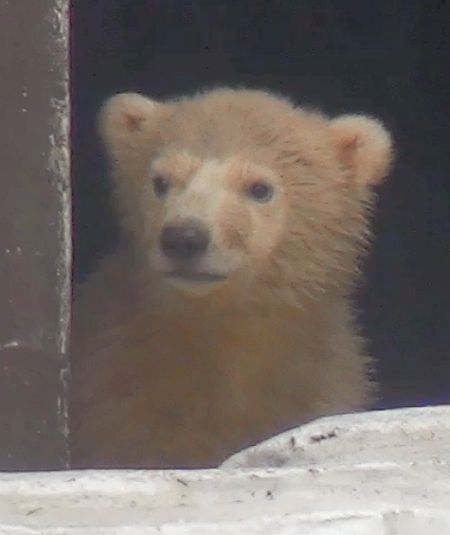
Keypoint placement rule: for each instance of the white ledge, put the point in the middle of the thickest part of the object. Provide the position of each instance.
(384, 473)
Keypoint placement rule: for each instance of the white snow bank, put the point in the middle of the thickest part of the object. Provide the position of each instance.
(383, 473)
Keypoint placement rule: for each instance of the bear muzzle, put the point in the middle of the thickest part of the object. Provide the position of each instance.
(184, 241)
(184, 244)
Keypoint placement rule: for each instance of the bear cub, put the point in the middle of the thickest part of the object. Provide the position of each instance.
(225, 314)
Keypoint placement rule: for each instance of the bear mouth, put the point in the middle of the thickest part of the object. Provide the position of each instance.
(195, 276)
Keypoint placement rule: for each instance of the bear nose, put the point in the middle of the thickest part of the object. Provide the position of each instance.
(184, 241)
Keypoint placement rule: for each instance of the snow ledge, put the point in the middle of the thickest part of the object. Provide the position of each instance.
(384, 473)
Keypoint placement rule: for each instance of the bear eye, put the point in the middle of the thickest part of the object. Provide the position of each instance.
(161, 185)
(260, 191)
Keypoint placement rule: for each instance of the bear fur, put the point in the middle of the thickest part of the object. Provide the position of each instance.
(182, 361)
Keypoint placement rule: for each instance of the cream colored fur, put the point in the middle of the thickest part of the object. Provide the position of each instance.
(167, 375)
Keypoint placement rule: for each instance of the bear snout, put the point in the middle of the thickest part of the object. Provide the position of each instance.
(184, 241)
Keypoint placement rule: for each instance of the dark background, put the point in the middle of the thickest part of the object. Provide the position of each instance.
(386, 58)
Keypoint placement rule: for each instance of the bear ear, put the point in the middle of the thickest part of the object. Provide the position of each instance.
(364, 147)
(124, 118)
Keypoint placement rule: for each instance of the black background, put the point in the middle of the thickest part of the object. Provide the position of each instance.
(386, 58)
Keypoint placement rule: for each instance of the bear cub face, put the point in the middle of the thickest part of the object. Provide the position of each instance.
(239, 190)
(214, 220)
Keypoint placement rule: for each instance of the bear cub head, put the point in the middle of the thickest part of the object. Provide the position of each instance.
(240, 192)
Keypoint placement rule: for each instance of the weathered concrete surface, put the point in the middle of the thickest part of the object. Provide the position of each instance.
(35, 234)
(373, 473)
